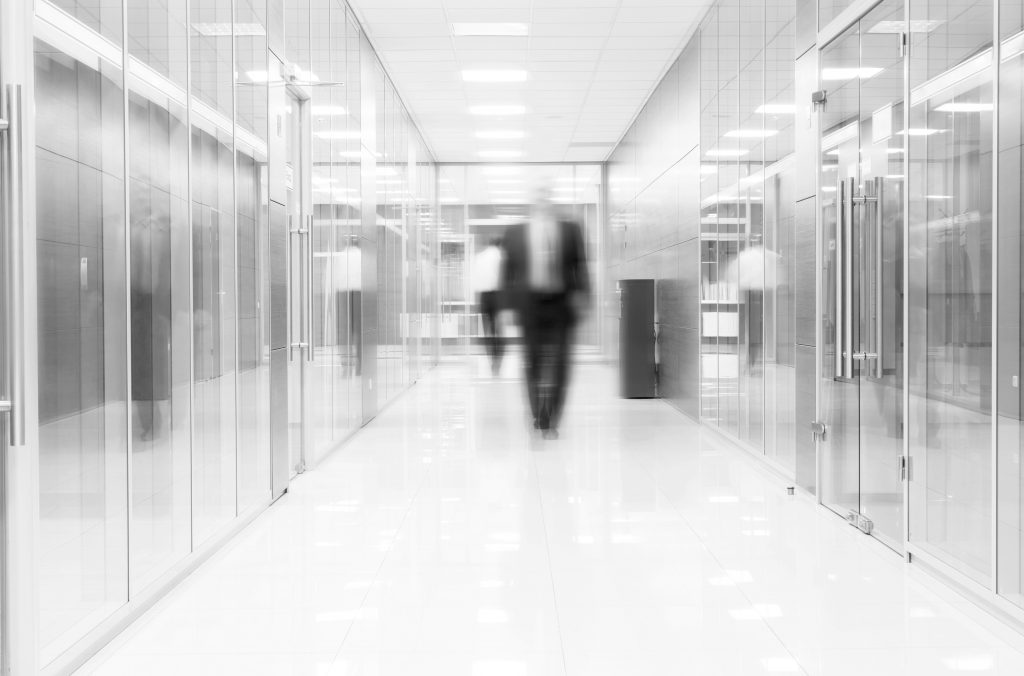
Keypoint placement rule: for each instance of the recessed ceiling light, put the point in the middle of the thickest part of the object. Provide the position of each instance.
(776, 109)
(964, 107)
(921, 132)
(751, 133)
(863, 73)
(916, 26)
(501, 134)
(491, 29)
(338, 135)
(497, 110)
(728, 152)
(500, 154)
(329, 111)
(217, 30)
(507, 75)
(501, 171)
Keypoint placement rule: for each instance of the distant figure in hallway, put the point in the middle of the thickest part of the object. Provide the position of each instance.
(487, 281)
(546, 283)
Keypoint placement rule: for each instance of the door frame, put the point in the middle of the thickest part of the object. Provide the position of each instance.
(827, 34)
(19, 457)
(297, 232)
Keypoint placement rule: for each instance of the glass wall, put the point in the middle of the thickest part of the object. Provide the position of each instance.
(477, 204)
(950, 143)
(747, 110)
(1010, 487)
(153, 238)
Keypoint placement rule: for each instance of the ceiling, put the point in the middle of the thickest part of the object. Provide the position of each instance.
(590, 65)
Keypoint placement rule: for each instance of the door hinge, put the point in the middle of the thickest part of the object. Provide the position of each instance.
(904, 468)
(903, 44)
(819, 99)
(819, 429)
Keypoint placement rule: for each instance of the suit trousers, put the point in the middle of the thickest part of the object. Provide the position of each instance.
(547, 321)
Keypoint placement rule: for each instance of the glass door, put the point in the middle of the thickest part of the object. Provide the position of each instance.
(300, 270)
(861, 196)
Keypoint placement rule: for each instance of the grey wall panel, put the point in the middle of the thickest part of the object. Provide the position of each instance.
(689, 373)
(806, 141)
(279, 469)
(804, 291)
(689, 196)
(670, 377)
(277, 104)
(689, 279)
(689, 97)
(806, 471)
(278, 276)
(806, 24)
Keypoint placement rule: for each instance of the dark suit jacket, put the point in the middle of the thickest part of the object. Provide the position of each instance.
(515, 281)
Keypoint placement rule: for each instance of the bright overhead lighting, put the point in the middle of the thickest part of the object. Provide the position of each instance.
(751, 133)
(708, 169)
(501, 134)
(327, 111)
(511, 75)
(500, 154)
(338, 135)
(938, 197)
(776, 109)
(728, 152)
(497, 110)
(491, 29)
(501, 171)
(863, 73)
(916, 26)
(922, 132)
(505, 181)
(351, 154)
(217, 30)
(261, 76)
(964, 107)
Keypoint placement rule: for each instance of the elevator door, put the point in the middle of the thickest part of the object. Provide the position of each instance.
(861, 197)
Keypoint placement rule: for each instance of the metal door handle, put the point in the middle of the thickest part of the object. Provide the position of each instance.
(879, 296)
(840, 230)
(13, 217)
(308, 339)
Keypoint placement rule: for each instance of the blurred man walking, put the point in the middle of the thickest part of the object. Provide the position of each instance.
(545, 279)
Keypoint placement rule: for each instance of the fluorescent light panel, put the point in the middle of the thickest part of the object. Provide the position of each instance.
(728, 152)
(223, 29)
(491, 29)
(508, 75)
(863, 73)
(751, 133)
(965, 107)
(500, 134)
(500, 154)
(497, 110)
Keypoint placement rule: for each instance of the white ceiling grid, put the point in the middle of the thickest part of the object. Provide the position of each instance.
(591, 64)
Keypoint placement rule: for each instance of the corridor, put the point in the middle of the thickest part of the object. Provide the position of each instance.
(446, 539)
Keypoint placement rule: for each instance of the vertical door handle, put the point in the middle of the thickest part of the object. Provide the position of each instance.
(848, 279)
(879, 276)
(309, 287)
(13, 217)
(840, 257)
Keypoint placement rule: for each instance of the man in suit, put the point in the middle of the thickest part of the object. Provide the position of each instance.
(546, 283)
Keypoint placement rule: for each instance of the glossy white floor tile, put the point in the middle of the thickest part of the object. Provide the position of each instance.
(446, 539)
